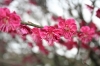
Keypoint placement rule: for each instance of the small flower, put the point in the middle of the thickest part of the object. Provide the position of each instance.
(83, 23)
(8, 21)
(37, 39)
(98, 13)
(50, 33)
(85, 46)
(23, 30)
(70, 44)
(68, 28)
(86, 34)
(34, 2)
(36, 35)
(92, 25)
(54, 17)
(7, 2)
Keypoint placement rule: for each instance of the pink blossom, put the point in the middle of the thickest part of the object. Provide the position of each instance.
(36, 35)
(34, 2)
(60, 19)
(7, 2)
(98, 13)
(85, 46)
(54, 17)
(83, 23)
(8, 21)
(68, 28)
(70, 44)
(86, 34)
(92, 25)
(23, 30)
(37, 39)
(50, 33)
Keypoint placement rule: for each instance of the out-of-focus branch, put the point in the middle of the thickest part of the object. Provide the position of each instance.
(56, 60)
(94, 58)
(8, 62)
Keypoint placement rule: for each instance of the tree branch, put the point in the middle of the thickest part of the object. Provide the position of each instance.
(31, 24)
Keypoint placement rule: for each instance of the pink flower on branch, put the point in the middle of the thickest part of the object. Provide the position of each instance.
(86, 34)
(68, 28)
(50, 33)
(93, 25)
(70, 44)
(36, 35)
(37, 39)
(85, 46)
(8, 21)
(98, 13)
(7, 2)
(23, 30)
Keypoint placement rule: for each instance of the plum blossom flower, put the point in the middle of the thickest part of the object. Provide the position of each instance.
(7, 2)
(83, 23)
(86, 34)
(8, 21)
(50, 33)
(70, 44)
(23, 30)
(92, 25)
(98, 13)
(37, 39)
(68, 28)
(36, 35)
(85, 46)
(34, 2)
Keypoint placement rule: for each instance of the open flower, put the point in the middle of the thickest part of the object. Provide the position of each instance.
(86, 34)
(68, 28)
(70, 44)
(23, 30)
(50, 33)
(8, 21)
(37, 39)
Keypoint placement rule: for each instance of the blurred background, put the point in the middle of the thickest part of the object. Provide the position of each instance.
(16, 51)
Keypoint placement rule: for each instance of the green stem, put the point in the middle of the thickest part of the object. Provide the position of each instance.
(31, 24)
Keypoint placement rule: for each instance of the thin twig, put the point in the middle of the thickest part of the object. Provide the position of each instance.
(31, 24)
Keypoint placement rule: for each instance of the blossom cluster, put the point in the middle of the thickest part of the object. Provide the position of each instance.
(67, 28)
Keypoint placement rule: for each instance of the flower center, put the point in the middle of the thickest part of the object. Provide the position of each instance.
(50, 35)
(85, 36)
(6, 19)
(67, 28)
